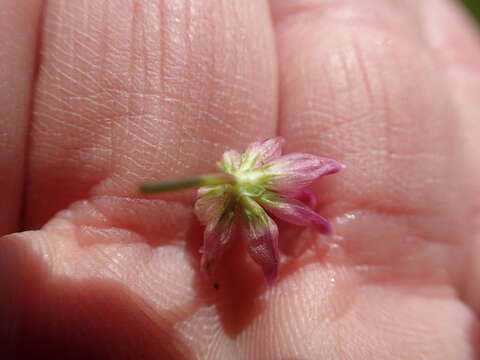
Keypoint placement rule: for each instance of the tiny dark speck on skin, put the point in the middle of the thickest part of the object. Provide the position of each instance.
(216, 286)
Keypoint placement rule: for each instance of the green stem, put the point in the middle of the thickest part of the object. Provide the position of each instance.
(186, 183)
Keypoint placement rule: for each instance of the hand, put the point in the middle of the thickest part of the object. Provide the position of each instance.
(100, 96)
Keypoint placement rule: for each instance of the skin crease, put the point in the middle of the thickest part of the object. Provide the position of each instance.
(132, 91)
(16, 76)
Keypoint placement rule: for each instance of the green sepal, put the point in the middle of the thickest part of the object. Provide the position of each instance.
(253, 212)
(252, 190)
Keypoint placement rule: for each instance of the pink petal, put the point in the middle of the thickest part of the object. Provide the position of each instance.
(298, 170)
(307, 197)
(230, 161)
(261, 236)
(295, 212)
(261, 152)
(216, 238)
(210, 204)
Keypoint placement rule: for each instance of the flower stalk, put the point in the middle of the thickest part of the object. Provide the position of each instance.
(186, 183)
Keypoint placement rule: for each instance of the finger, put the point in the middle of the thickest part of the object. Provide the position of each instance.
(68, 308)
(456, 44)
(369, 95)
(129, 92)
(18, 35)
(358, 84)
(136, 91)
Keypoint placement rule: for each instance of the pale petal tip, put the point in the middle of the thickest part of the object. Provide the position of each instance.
(335, 167)
(341, 166)
(280, 140)
(321, 224)
(262, 152)
(324, 227)
(272, 143)
(277, 140)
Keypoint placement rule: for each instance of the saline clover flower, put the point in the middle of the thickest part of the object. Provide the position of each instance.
(254, 185)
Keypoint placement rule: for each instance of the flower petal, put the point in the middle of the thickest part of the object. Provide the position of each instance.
(216, 238)
(230, 161)
(211, 203)
(307, 197)
(294, 212)
(294, 171)
(261, 152)
(261, 237)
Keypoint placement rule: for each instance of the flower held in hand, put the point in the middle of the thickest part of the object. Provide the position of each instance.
(258, 183)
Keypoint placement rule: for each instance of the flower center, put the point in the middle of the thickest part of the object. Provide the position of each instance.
(248, 183)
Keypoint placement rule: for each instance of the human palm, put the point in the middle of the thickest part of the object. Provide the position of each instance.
(134, 91)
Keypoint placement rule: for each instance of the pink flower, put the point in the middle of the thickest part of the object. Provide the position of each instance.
(256, 185)
(252, 187)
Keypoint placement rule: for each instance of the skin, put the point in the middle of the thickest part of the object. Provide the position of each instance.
(100, 96)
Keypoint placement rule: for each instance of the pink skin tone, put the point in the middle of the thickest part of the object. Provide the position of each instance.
(129, 91)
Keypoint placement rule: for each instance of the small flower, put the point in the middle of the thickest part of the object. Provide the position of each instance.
(252, 187)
